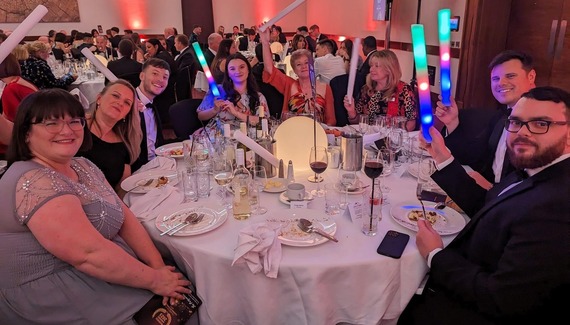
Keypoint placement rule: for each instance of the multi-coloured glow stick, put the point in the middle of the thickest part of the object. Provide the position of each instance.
(352, 70)
(280, 15)
(93, 59)
(420, 58)
(202, 59)
(444, 28)
(21, 31)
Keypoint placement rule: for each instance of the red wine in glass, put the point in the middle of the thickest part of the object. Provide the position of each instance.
(318, 166)
(372, 169)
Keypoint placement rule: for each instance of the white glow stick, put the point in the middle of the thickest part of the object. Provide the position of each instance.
(239, 136)
(280, 15)
(352, 71)
(106, 72)
(21, 31)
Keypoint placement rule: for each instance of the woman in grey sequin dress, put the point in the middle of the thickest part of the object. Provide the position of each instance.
(71, 251)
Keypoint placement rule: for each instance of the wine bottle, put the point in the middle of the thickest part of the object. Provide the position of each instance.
(229, 143)
(258, 126)
(240, 185)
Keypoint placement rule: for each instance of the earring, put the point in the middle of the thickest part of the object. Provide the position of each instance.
(124, 120)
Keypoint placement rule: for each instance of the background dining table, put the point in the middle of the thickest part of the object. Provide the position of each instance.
(331, 283)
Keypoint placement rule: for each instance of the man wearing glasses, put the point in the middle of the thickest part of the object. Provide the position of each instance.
(510, 264)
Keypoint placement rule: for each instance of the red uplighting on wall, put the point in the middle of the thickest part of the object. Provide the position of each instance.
(134, 14)
(264, 10)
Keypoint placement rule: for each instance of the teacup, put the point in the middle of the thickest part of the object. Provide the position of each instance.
(296, 192)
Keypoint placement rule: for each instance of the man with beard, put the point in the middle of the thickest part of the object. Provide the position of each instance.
(476, 137)
(511, 262)
(154, 78)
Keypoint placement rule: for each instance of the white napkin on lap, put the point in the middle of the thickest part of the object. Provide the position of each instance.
(259, 247)
(158, 163)
(164, 196)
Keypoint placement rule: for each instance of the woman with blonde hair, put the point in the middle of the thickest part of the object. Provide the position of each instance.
(21, 53)
(384, 93)
(36, 69)
(116, 132)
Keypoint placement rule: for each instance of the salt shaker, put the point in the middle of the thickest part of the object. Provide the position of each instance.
(290, 173)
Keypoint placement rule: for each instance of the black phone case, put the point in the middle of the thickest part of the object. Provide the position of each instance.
(393, 244)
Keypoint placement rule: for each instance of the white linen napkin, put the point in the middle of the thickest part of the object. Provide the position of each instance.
(158, 163)
(257, 244)
(156, 198)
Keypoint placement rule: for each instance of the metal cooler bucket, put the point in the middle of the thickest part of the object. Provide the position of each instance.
(351, 147)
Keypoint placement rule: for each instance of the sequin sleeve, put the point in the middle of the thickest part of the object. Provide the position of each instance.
(35, 188)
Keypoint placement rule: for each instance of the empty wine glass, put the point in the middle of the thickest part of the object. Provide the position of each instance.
(259, 175)
(318, 160)
(363, 123)
(395, 143)
(347, 180)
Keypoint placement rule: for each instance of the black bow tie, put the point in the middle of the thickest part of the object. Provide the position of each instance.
(521, 174)
(149, 105)
(507, 111)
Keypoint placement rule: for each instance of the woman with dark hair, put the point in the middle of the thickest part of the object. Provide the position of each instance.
(94, 33)
(242, 98)
(138, 53)
(297, 43)
(345, 52)
(69, 241)
(14, 92)
(116, 132)
(227, 47)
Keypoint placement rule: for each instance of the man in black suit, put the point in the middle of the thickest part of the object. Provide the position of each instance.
(315, 33)
(187, 67)
(368, 47)
(154, 79)
(115, 37)
(109, 53)
(169, 37)
(475, 136)
(125, 67)
(196, 31)
(213, 45)
(511, 262)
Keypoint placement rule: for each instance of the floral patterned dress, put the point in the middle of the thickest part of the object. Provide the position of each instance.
(403, 103)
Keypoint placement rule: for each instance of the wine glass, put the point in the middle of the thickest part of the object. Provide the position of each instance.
(318, 160)
(373, 167)
(395, 143)
(347, 180)
(259, 175)
(223, 175)
(363, 123)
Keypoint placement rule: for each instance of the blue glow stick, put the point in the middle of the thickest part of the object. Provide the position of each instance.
(444, 17)
(217, 92)
(420, 58)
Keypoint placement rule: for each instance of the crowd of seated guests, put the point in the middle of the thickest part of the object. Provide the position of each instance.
(36, 69)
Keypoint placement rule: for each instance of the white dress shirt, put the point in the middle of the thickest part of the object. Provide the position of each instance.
(328, 67)
(150, 123)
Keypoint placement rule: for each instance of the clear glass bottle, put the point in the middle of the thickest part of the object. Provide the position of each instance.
(229, 144)
(258, 126)
(240, 185)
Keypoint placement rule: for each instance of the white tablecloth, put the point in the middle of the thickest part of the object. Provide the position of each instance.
(89, 88)
(344, 282)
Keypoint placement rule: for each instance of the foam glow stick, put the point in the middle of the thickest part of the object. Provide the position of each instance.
(443, 18)
(106, 72)
(280, 15)
(352, 70)
(251, 144)
(21, 31)
(202, 59)
(420, 58)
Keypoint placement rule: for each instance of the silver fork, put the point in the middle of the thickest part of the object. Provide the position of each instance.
(147, 183)
(191, 222)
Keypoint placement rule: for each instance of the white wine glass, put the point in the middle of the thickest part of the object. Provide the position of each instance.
(259, 175)
(363, 123)
(223, 175)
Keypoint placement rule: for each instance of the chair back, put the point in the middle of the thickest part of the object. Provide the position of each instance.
(184, 118)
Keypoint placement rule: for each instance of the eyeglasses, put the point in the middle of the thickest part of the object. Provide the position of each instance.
(533, 126)
(55, 126)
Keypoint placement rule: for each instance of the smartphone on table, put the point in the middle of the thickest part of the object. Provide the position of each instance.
(393, 244)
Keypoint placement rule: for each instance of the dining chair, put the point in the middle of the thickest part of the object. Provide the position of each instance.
(184, 118)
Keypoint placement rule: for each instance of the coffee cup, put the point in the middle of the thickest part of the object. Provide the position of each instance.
(296, 192)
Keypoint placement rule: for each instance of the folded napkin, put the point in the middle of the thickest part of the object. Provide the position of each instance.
(164, 196)
(158, 163)
(257, 244)
(81, 98)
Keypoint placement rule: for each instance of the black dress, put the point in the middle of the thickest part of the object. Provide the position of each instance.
(111, 158)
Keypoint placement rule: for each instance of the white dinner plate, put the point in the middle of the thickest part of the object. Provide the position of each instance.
(292, 235)
(285, 199)
(449, 221)
(141, 178)
(171, 150)
(275, 185)
(172, 216)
